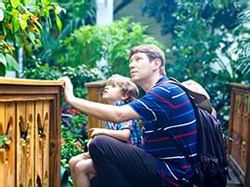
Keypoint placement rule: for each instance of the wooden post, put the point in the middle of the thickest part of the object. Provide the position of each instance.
(94, 94)
(239, 132)
(30, 118)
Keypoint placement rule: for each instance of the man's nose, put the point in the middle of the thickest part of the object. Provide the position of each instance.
(131, 64)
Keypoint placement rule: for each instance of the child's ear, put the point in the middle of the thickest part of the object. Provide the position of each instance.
(124, 97)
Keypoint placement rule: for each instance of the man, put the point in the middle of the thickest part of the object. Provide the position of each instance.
(169, 123)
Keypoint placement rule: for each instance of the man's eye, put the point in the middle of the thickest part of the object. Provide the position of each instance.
(137, 58)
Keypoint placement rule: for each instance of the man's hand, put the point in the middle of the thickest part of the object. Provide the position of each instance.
(68, 89)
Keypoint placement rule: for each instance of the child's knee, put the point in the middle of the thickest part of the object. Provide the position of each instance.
(72, 162)
(79, 168)
(84, 167)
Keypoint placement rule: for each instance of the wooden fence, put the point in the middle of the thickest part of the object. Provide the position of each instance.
(30, 133)
(239, 132)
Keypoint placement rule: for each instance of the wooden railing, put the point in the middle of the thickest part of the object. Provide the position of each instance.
(94, 94)
(30, 122)
(239, 132)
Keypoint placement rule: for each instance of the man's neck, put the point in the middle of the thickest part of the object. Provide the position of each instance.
(148, 84)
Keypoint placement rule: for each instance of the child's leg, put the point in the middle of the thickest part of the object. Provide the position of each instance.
(84, 170)
(72, 165)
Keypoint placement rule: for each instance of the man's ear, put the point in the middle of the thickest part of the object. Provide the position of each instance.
(157, 63)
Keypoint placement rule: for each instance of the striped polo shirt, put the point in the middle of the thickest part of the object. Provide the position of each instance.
(167, 111)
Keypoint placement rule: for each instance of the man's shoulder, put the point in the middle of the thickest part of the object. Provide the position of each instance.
(166, 88)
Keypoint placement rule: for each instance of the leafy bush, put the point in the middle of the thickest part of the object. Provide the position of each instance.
(78, 75)
(203, 36)
(20, 26)
(77, 13)
(74, 135)
(90, 44)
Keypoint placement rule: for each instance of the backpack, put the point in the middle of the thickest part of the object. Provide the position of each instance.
(211, 167)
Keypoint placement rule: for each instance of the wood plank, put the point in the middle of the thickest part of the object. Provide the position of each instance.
(11, 153)
(247, 120)
(21, 145)
(30, 118)
(39, 144)
(24, 90)
(11, 98)
(45, 120)
(94, 94)
(3, 174)
(55, 142)
(25, 144)
(244, 131)
(29, 82)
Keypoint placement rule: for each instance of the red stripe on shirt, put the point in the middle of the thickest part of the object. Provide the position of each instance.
(169, 103)
(186, 134)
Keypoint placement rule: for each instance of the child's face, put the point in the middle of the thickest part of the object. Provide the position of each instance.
(112, 93)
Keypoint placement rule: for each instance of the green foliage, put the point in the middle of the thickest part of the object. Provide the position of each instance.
(90, 44)
(80, 10)
(74, 136)
(43, 72)
(243, 47)
(162, 11)
(71, 147)
(215, 12)
(21, 27)
(79, 75)
(203, 37)
(4, 141)
(76, 14)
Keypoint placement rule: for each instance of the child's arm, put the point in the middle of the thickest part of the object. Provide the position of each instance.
(122, 135)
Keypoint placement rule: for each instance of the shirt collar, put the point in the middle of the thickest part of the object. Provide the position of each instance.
(161, 79)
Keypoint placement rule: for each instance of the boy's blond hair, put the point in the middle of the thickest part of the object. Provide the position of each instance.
(128, 87)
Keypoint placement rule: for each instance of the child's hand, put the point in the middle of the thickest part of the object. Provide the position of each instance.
(86, 155)
(95, 131)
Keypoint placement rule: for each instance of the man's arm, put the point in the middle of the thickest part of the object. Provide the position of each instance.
(99, 110)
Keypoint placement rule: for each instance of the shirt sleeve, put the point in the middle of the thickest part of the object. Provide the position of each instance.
(124, 125)
(151, 106)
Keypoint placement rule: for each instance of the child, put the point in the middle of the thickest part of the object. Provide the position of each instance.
(118, 90)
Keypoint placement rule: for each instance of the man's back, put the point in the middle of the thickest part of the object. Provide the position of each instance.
(167, 112)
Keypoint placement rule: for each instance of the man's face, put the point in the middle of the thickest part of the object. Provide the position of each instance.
(140, 68)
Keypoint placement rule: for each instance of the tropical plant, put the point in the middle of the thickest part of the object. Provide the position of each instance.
(74, 136)
(76, 14)
(90, 44)
(203, 35)
(243, 47)
(21, 27)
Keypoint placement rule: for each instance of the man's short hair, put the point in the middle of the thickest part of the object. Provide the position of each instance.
(152, 52)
